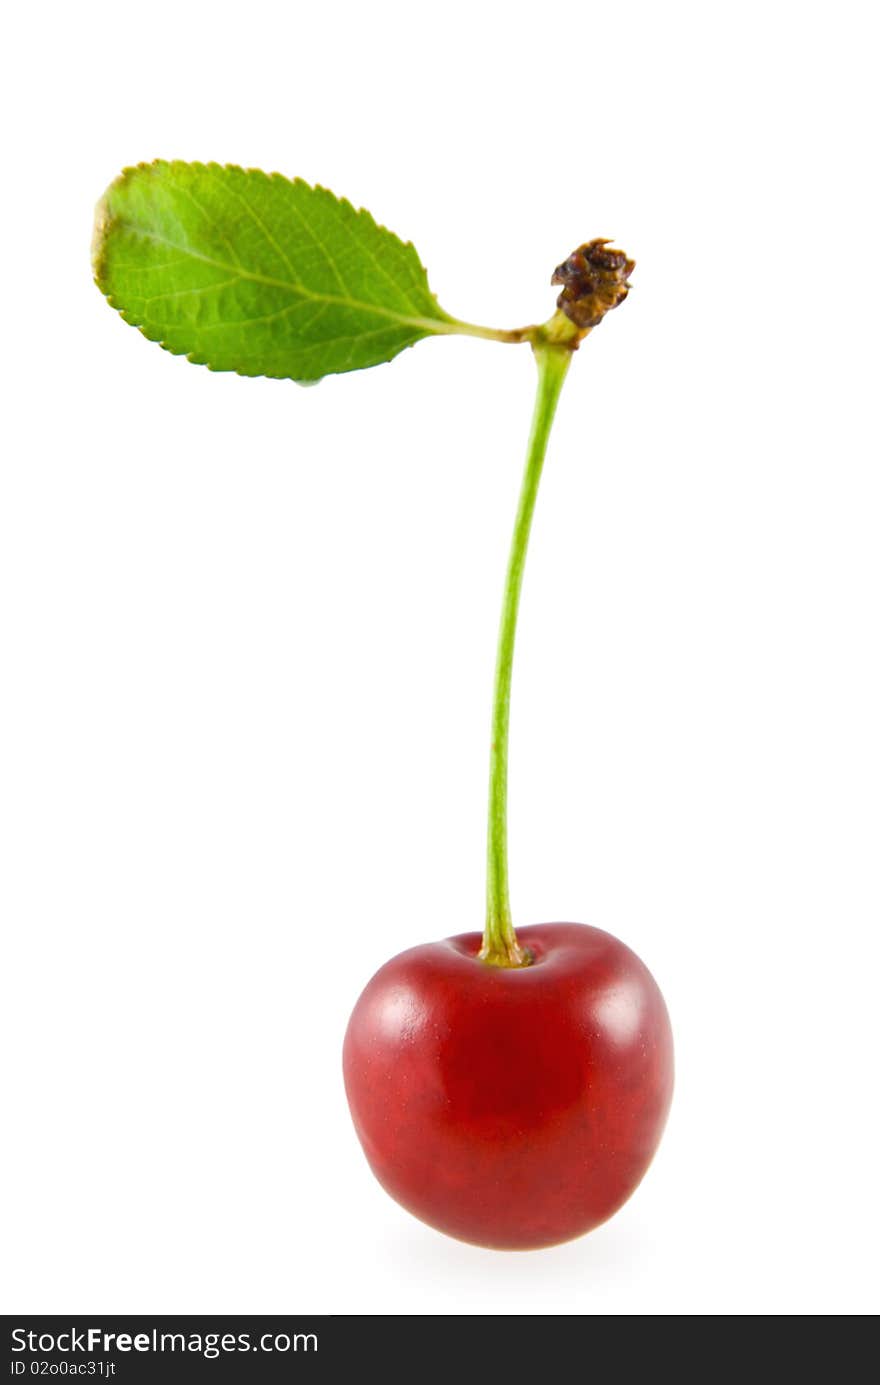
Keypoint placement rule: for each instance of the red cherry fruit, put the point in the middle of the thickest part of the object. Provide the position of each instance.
(513, 1107)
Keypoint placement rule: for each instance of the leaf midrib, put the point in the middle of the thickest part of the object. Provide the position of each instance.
(427, 324)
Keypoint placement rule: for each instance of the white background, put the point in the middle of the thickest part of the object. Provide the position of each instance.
(247, 634)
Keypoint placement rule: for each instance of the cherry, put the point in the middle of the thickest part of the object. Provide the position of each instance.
(513, 1107)
(508, 1090)
(511, 1089)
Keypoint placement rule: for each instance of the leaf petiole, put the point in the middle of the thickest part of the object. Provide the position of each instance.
(469, 329)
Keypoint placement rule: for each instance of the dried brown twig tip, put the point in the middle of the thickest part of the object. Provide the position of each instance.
(594, 281)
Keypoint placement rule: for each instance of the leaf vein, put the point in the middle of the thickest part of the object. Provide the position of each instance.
(258, 221)
(203, 211)
(183, 293)
(422, 323)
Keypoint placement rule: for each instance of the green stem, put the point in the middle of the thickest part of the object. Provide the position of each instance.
(456, 327)
(500, 946)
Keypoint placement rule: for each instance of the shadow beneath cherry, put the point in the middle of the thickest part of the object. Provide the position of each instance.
(478, 1278)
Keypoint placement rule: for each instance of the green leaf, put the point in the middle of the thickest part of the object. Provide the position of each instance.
(240, 270)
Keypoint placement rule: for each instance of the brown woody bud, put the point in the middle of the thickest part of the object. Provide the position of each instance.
(594, 281)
